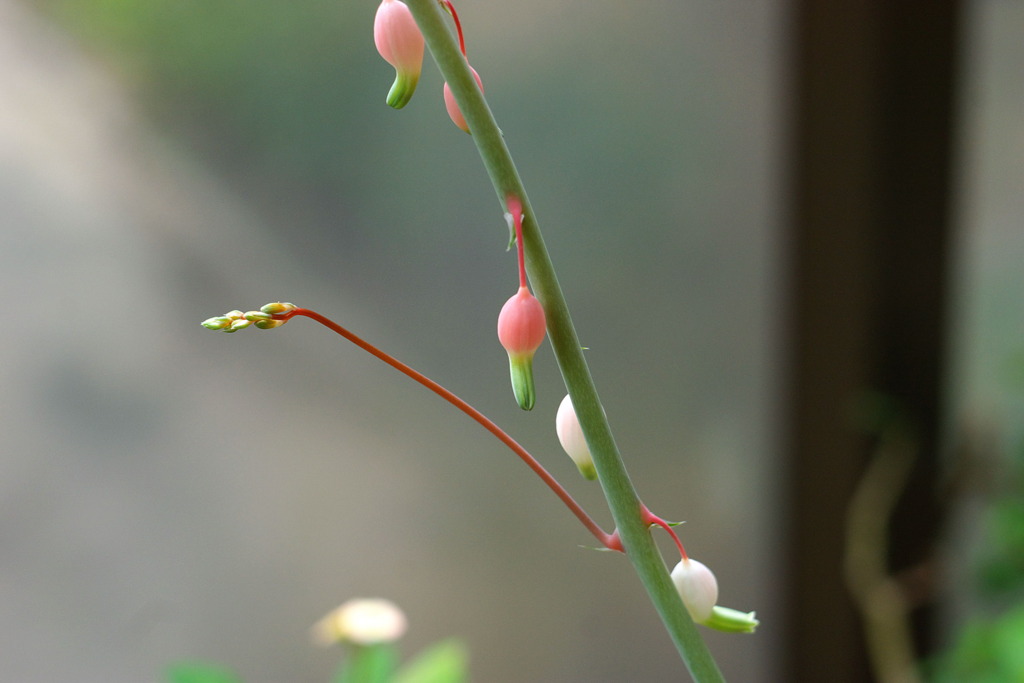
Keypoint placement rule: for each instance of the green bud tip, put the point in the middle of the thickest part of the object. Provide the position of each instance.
(521, 370)
(278, 308)
(731, 620)
(587, 470)
(402, 89)
(217, 323)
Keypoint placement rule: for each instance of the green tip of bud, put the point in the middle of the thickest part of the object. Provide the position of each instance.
(521, 369)
(218, 323)
(278, 308)
(402, 89)
(238, 324)
(268, 324)
(587, 470)
(731, 620)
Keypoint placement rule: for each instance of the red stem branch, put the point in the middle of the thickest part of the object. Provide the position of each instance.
(515, 208)
(610, 541)
(450, 8)
(650, 518)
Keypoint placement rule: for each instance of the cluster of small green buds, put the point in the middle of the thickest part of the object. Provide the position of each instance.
(232, 321)
(400, 43)
(698, 589)
(570, 435)
(263, 319)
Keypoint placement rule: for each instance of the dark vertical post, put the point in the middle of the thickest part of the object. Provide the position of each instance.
(870, 161)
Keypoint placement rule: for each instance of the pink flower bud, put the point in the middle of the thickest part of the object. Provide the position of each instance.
(453, 109)
(697, 587)
(570, 435)
(521, 330)
(521, 326)
(400, 43)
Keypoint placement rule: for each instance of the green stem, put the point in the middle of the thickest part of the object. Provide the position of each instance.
(625, 505)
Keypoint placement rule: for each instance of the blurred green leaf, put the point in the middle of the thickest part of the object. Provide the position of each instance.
(986, 652)
(1001, 567)
(368, 664)
(445, 662)
(200, 672)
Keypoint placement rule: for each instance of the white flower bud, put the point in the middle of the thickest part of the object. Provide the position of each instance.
(697, 587)
(570, 435)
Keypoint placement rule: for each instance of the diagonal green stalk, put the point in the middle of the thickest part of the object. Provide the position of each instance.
(625, 505)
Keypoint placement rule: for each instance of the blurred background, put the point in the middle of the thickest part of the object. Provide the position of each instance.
(766, 216)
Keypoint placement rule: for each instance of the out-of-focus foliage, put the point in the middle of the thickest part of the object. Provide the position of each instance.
(1001, 571)
(443, 662)
(368, 664)
(990, 649)
(200, 672)
(241, 69)
(266, 90)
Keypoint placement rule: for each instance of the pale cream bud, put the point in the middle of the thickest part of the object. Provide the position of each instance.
(363, 621)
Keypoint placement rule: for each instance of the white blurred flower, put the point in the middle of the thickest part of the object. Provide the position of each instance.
(364, 621)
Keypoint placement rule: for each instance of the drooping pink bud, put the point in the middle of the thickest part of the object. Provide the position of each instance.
(400, 43)
(453, 109)
(521, 325)
(521, 330)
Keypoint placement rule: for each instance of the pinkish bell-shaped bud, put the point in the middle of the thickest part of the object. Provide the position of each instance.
(521, 330)
(570, 435)
(400, 43)
(453, 109)
(697, 587)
